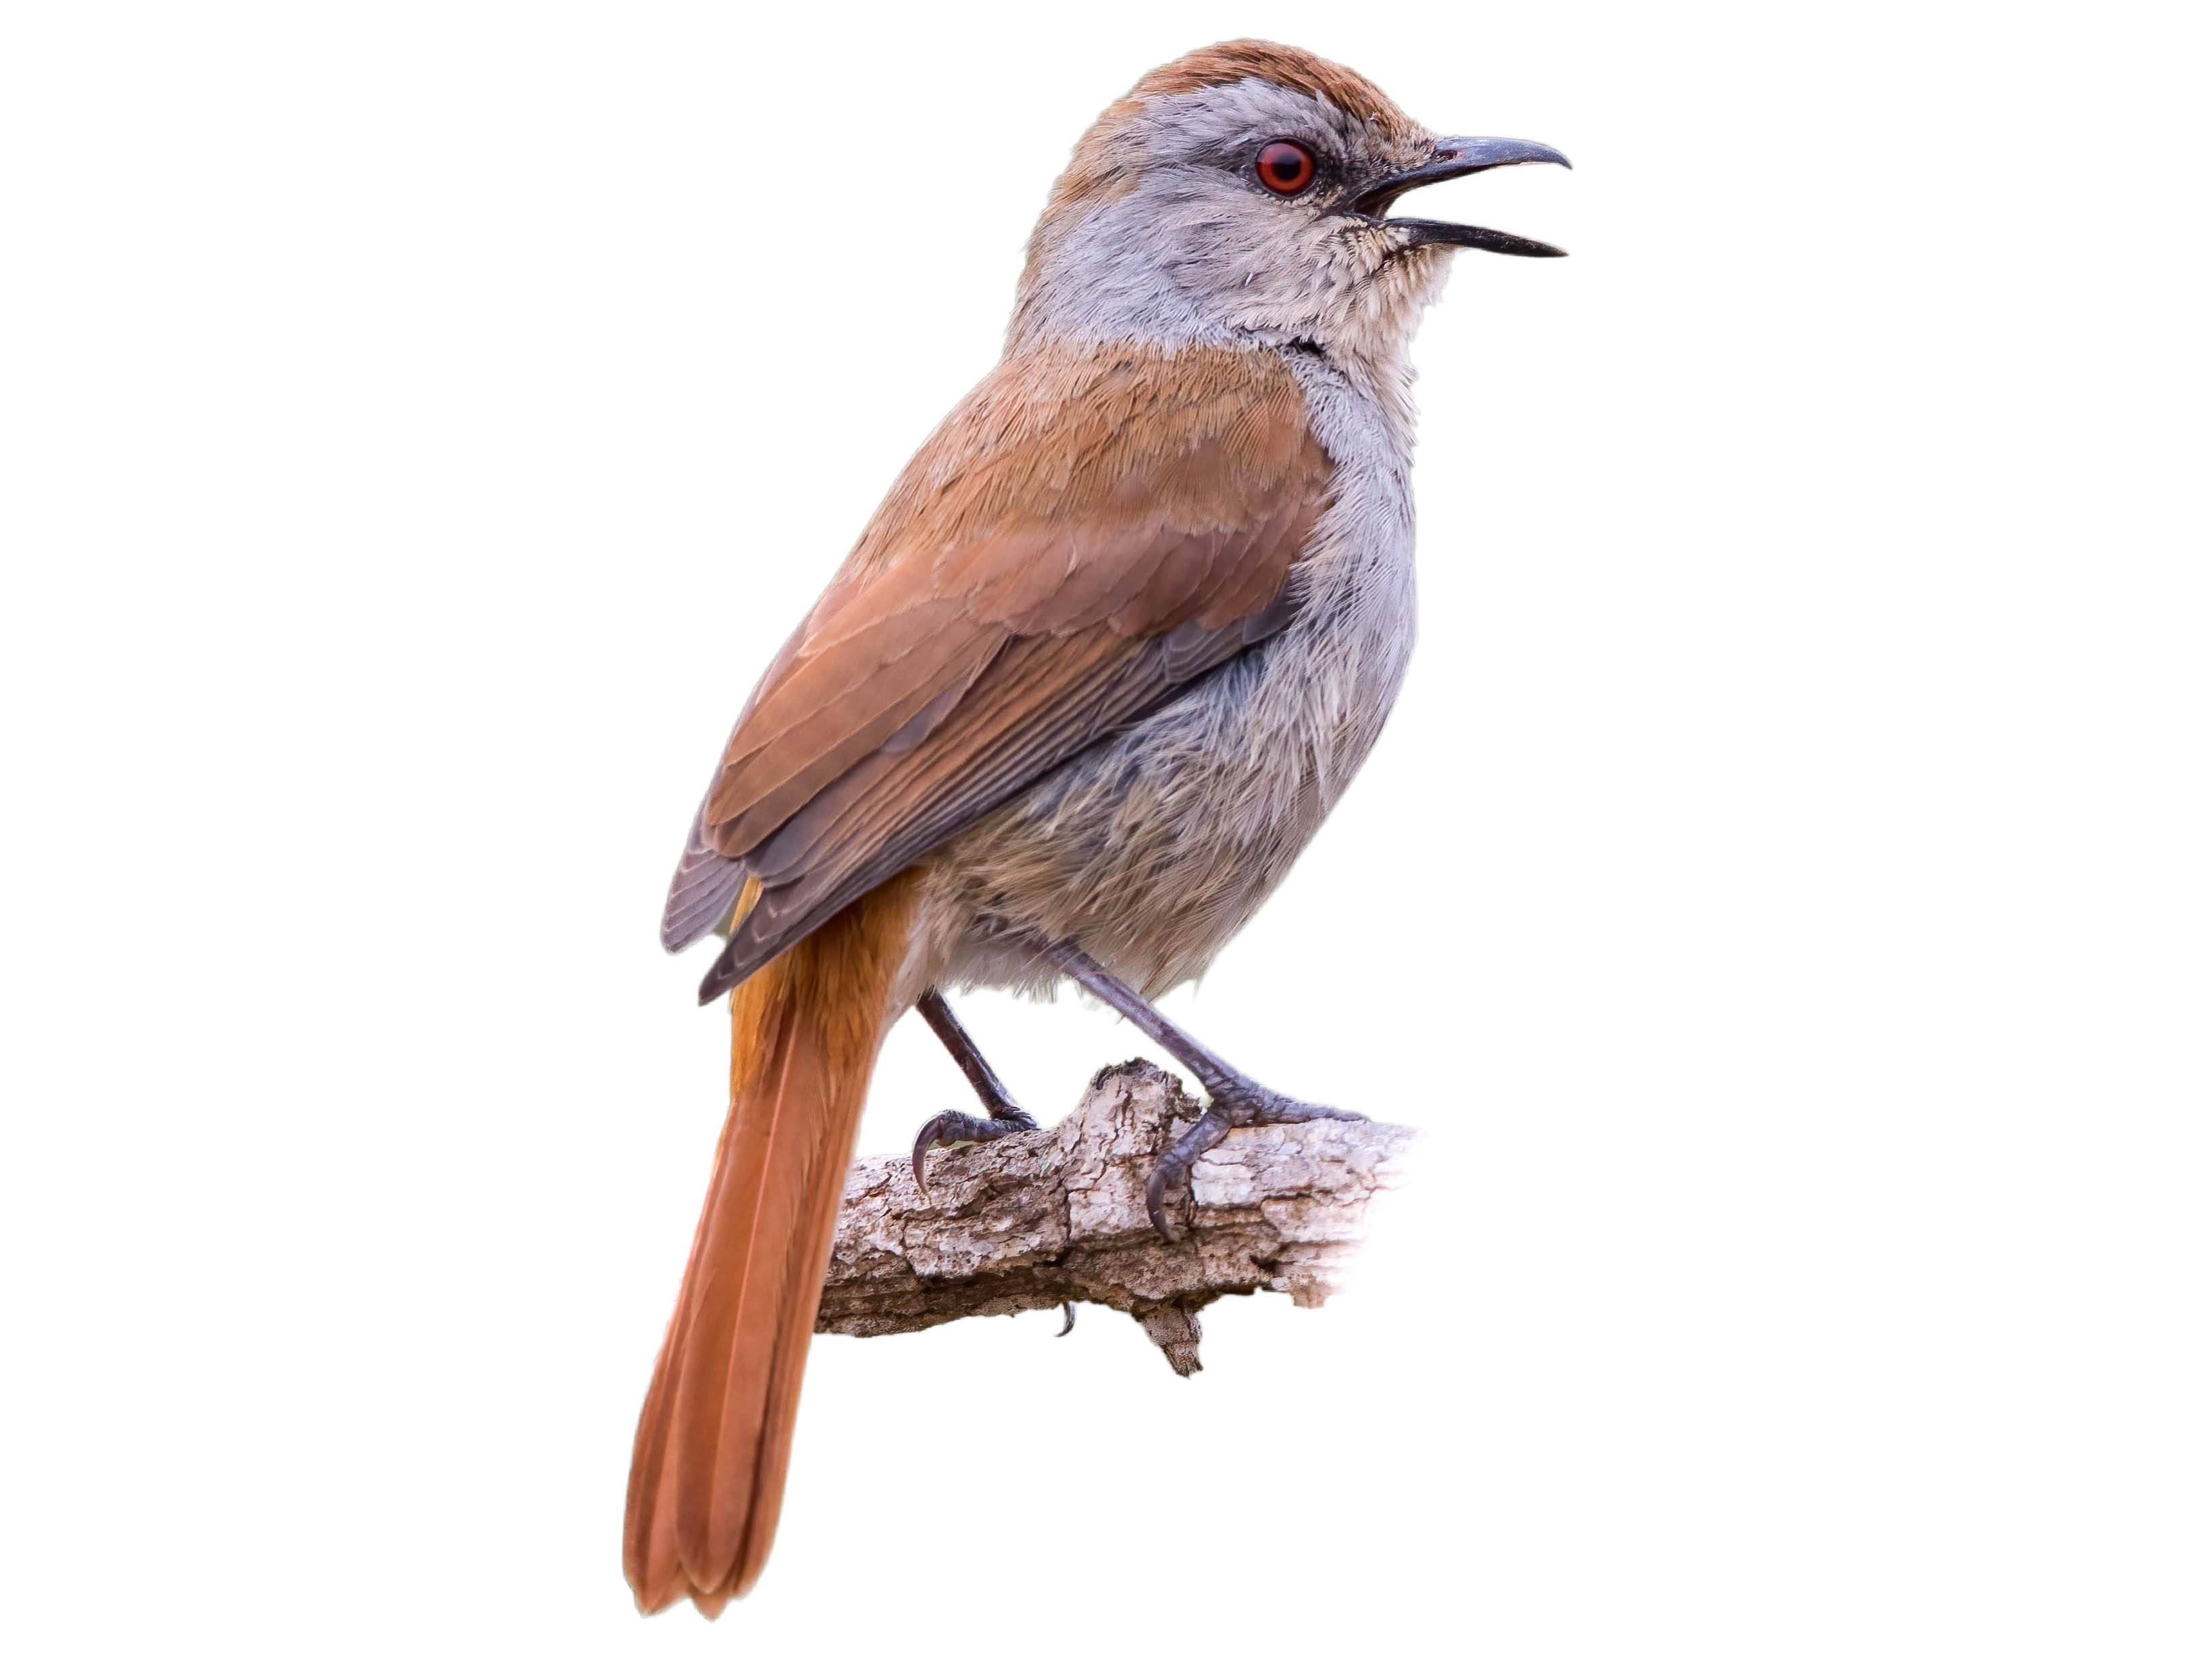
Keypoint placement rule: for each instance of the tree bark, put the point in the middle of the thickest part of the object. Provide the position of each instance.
(1058, 1217)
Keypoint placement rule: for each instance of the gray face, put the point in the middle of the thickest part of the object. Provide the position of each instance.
(1197, 248)
(1183, 241)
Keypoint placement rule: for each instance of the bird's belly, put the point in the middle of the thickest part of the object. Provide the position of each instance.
(1151, 849)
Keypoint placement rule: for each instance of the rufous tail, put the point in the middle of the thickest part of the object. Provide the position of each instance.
(706, 1477)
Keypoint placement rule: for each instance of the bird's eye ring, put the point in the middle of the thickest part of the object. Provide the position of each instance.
(1284, 167)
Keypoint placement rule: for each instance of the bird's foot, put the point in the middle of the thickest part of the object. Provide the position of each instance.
(1233, 1102)
(961, 1128)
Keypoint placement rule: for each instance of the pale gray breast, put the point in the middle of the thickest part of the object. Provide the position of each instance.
(1359, 613)
(1154, 848)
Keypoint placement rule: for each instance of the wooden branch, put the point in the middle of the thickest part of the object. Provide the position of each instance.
(1036, 1220)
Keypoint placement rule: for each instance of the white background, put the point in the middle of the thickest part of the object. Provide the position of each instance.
(1781, 893)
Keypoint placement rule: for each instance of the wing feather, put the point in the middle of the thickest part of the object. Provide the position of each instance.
(1088, 533)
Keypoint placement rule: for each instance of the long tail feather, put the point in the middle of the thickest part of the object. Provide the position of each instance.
(706, 1481)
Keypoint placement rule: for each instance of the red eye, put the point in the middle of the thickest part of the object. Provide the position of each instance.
(1284, 167)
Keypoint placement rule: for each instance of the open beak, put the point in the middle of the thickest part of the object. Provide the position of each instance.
(1454, 158)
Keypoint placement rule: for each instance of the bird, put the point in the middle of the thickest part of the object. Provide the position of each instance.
(1104, 659)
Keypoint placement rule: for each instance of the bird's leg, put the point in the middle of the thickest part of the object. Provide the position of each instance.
(952, 1128)
(1233, 1100)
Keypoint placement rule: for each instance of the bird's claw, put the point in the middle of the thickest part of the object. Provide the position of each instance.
(959, 1128)
(1233, 1104)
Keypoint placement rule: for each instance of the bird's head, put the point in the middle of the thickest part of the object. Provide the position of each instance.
(1243, 192)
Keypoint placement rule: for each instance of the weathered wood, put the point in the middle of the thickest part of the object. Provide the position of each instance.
(1035, 1220)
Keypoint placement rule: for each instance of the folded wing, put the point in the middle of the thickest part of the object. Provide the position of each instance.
(1088, 532)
